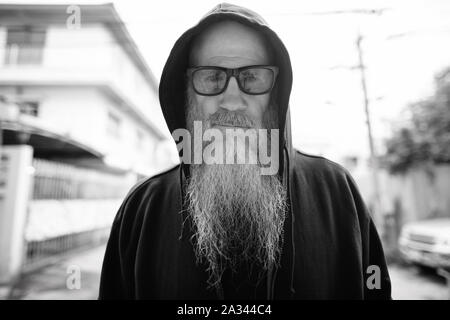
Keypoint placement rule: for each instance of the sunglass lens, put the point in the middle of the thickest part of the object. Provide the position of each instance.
(256, 80)
(209, 81)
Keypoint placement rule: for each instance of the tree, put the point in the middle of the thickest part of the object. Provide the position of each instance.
(426, 137)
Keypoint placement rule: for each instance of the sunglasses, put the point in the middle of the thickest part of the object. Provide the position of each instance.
(253, 80)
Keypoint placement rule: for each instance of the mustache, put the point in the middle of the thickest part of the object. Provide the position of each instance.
(231, 118)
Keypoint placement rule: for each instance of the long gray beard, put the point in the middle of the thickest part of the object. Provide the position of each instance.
(238, 214)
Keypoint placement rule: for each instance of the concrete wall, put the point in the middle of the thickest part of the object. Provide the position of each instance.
(421, 193)
(15, 182)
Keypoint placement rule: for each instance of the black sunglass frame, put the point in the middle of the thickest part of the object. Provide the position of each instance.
(233, 72)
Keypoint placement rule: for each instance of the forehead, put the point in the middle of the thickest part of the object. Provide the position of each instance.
(229, 44)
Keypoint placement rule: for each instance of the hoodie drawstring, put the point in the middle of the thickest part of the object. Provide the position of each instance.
(292, 226)
(184, 216)
(272, 274)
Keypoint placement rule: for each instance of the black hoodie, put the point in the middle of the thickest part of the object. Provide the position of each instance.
(331, 249)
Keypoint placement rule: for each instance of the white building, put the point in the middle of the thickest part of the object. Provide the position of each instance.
(82, 89)
(74, 87)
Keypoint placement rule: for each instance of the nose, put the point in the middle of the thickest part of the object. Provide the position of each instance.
(232, 98)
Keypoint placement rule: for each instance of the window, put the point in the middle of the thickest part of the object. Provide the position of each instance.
(113, 125)
(24, 45)
(29, 107)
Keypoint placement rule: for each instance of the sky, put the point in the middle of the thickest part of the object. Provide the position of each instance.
(403, 46)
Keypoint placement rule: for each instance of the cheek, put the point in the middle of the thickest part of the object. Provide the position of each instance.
(258, 105)
(207, 105)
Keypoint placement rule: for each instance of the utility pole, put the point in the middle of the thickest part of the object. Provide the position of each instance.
(376, 212)
(2, 103)
(373, 154)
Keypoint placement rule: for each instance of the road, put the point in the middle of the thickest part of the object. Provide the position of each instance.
(408, 282)
(56, 282)
(412, 283)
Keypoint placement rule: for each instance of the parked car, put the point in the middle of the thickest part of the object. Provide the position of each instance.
(426, 243)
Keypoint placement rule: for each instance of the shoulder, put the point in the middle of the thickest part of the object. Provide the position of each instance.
(312, 166)
(319, 173)
(161, 180)
(328, 180)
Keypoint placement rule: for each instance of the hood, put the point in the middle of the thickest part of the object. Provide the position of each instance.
(172, 86)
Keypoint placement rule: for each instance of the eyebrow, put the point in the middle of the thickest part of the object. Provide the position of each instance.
(247, 60)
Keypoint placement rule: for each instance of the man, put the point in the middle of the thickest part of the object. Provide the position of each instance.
(217, 228)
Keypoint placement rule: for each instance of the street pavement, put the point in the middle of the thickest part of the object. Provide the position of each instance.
(413, 283)
(54, 282)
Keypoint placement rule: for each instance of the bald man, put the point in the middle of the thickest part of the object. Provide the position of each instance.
(233, 220)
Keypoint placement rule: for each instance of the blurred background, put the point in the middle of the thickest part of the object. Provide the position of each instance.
(80, 124)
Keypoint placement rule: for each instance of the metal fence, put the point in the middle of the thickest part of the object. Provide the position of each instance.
(53, 180)
(44, 252)
(72, 208)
